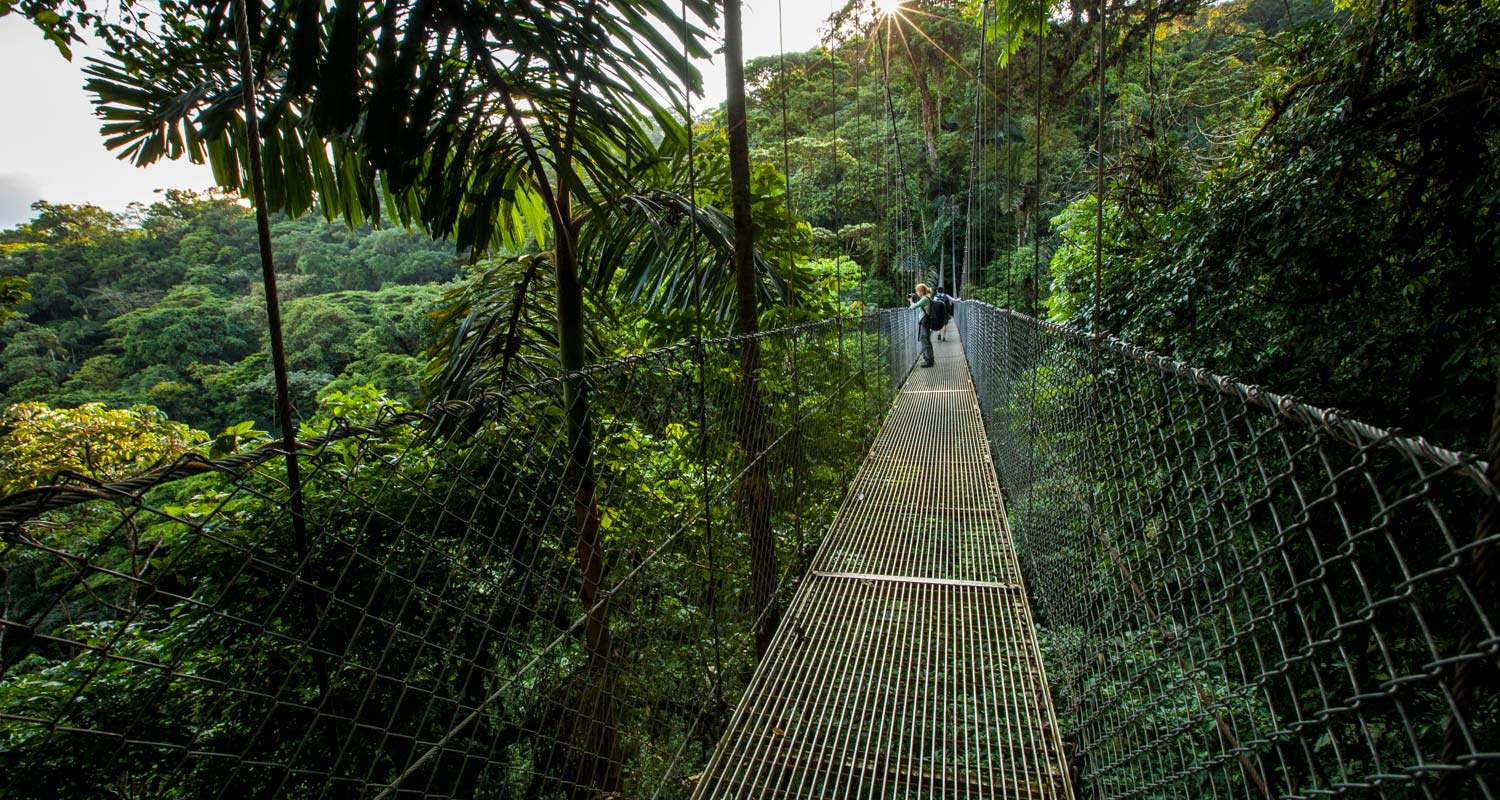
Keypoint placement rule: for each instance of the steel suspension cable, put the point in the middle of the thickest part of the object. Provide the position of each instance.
(880, 245)
(984, 18)
(1010, 171)
(885, 209)
(1036, 242)
(786, 167)
(1039, 178)
(1103, 11)
(890, 109)
(836, 214)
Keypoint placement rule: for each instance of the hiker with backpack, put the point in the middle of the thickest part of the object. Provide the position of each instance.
(922, 299)
(941, 311)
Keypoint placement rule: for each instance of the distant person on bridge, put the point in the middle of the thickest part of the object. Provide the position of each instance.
(922, 298)
(941, 311)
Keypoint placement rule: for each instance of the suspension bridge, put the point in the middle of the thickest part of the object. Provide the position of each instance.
(906, 665)
(783, 565)
(1052, 566)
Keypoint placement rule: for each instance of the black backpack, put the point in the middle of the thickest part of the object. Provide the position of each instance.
(939, 311)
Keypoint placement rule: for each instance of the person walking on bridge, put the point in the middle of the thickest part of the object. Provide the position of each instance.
(940, 313)
(922, 299)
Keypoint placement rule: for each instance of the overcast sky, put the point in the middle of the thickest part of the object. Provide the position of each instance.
(50, 148)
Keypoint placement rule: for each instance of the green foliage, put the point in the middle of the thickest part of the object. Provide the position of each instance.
(394, 319)
(495, 327)
(1360, 189)
(1281, 173)
(37, 442)
(34, 356)
(1073, 264)
(190, 325)
(495, 541)
(161, 306)
(664, 256)
(14, 290)
(237, 438)
(652, 263)
(425, 133)
(65, 22)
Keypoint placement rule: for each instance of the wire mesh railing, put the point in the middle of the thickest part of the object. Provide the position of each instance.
(1239, 595)
(172, 636)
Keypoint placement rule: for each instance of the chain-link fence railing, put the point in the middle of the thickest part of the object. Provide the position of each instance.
(1240, 595)
(437, 625)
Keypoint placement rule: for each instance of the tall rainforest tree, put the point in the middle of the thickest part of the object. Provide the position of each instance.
(755, 487)
(1033, 50)
(485, 122)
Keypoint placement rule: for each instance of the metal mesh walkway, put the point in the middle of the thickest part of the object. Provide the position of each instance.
(907, 665)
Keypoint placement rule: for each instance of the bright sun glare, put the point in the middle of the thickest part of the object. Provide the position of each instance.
(888, 7)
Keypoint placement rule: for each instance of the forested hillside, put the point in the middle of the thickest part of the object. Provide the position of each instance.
(163, 307)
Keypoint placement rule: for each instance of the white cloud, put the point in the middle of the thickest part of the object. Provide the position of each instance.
(17, 193)
(50, 140)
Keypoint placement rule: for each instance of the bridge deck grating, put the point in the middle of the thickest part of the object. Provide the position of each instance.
(906, 665)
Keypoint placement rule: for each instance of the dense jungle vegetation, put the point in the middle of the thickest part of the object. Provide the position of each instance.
(163, 308)
(1300, 195)
(1276, 172)
(1276, 169)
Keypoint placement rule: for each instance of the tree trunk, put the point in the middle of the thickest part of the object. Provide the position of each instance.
(592, 734)
(930, 112)
(580, 431)
(601, 755)
(755, 486)
(309, 576)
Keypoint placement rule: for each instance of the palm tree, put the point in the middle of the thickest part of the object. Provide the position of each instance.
(484, 122)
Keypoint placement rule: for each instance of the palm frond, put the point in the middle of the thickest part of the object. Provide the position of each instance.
(498, 328)
(395, 108)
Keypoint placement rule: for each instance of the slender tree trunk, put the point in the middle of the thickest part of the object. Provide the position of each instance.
(594, 734)
(580, 433)
(755, 486)
(570, 334)
(310, 605)
(930, 113)
(593, 729)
